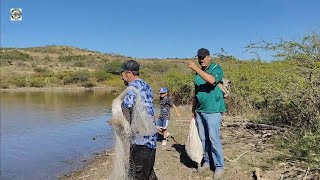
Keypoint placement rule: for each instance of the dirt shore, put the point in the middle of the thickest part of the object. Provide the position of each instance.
(247, 152)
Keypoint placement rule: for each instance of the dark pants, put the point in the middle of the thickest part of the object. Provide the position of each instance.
(142, 161)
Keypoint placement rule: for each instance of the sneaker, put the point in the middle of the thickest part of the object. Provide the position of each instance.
(204, 167)
(218, 174)
(164, 142)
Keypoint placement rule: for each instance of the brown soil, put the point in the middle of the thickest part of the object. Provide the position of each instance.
(172, 162)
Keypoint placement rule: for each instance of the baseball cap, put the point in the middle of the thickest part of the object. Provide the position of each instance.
(130, 65)
(163, 90)
(203, 52)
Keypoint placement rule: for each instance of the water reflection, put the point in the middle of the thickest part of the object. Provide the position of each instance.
(45, 133)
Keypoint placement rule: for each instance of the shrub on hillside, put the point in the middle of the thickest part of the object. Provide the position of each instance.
(102, 75)
(180, 84)
(76, 77)
(88, 85)
(292, 92)
(40, 69)
(14, 55)
(37, 82)
(111, 66)
(19, 82)
(79, 64)
(69, 58)
(159, 66)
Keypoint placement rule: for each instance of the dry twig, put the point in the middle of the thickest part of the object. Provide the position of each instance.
(306, 175)
(236, 158)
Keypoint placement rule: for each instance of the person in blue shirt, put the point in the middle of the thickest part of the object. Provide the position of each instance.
(143, 148)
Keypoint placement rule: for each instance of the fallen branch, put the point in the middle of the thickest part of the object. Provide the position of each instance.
(253, 125)
(236, 158)
(83, 177)
(283, 154)
(181, 125)
(186, 121)
(305, 176)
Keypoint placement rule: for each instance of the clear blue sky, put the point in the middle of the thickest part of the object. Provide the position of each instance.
(163, 28)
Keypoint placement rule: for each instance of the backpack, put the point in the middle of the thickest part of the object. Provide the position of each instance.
(224, 85)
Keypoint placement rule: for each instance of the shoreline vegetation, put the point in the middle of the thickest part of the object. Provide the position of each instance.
(283, 93)
(34, 89)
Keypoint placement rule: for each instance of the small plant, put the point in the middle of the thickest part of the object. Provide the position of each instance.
(111, 66)
(37, 82)
(40, 69)
(76, 77)
(79, 64)
(69, 58)
(102, 75)
(15, 55)
(20, 82)
(88, 85)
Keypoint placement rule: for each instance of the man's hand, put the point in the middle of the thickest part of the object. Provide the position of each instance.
(192, 65)
(193, 114)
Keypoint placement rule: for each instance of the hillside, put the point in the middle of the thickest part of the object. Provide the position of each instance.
(62, 66)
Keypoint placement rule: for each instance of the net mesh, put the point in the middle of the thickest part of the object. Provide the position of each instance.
(142, 124)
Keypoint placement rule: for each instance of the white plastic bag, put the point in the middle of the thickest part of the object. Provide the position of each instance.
(193, 146)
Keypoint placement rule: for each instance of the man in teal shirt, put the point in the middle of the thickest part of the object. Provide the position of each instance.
(208, 104)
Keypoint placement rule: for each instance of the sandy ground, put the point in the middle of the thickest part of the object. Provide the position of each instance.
(246, 152)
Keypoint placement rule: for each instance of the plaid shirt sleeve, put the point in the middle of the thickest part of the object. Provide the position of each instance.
(129, 100)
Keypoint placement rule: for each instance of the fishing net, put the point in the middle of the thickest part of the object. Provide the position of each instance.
(142, 124)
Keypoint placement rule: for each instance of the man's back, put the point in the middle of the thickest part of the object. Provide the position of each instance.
(148, 102)
(165, 105)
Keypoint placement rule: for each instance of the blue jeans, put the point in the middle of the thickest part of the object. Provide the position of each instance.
(209, 131)
(162, 123)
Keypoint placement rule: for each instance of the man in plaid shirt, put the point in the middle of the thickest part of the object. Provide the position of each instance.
(143, 148)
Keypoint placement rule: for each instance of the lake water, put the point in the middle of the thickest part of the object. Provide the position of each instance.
(45, 134)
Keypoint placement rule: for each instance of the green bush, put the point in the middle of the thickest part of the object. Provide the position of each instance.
(79, 64)
(69, 58)
(102, 75)
(180, 84)
(5, 85)
(37, 82)
(14, 55)
(40, 69)
(159, 66)
(76, 77)
(20, 81)
(88, 85)
(111, 66)
(290, 89)
(302, 146)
